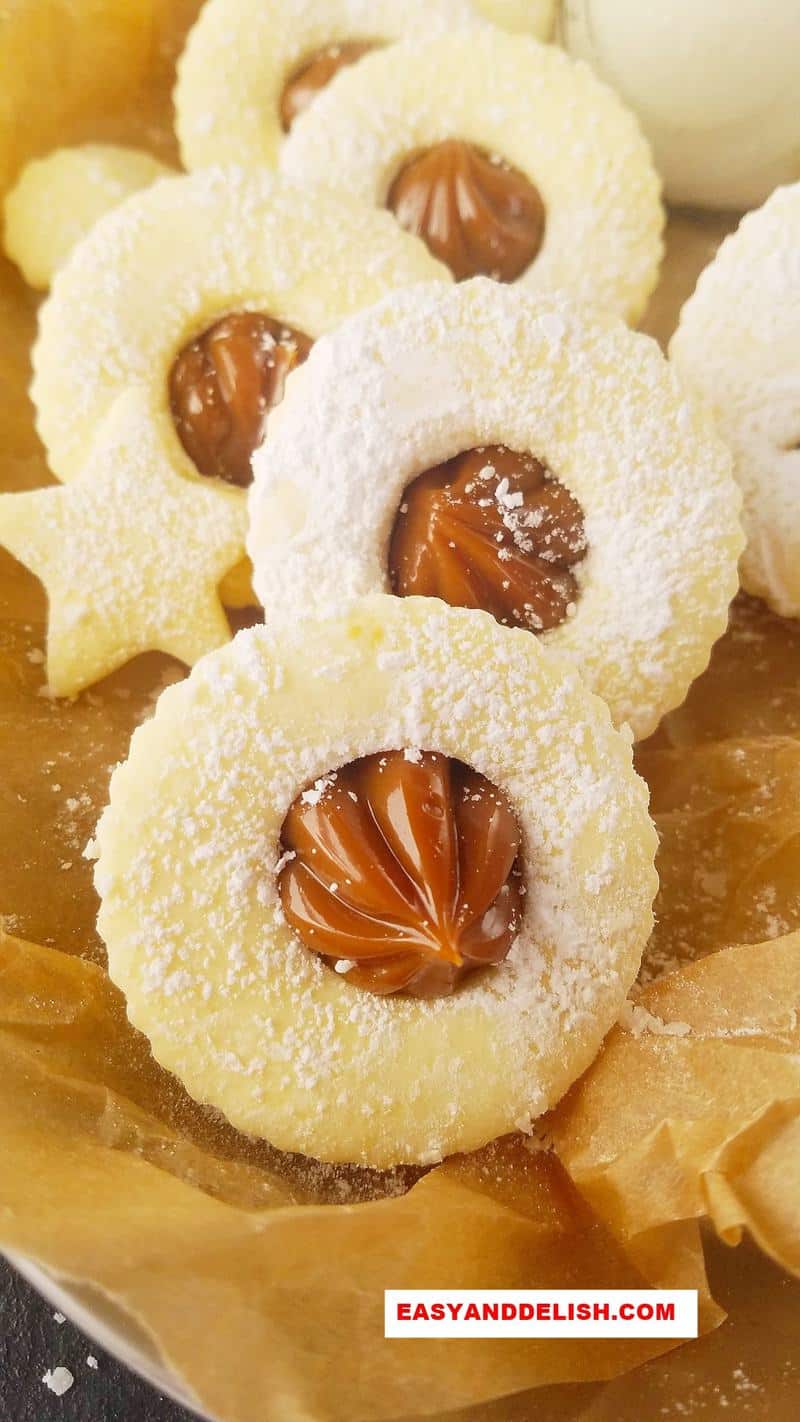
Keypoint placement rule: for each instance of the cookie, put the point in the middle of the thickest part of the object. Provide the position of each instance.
(250, 67)
(205, 290)
(57, 199)
(130, 554)
(515, 453)
(508, 158)
(240, 871)
(737, 345)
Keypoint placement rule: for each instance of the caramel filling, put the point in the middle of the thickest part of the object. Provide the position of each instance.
(490, 529)
(402, 872)
(315, 74)
(223, 385)
(476, 213)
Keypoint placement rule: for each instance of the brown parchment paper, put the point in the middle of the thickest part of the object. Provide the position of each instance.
(260, 1276)
(693, 1107)
(728, 816)
(175, 1217)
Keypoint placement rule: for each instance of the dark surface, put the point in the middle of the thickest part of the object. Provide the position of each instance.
(31, 1341)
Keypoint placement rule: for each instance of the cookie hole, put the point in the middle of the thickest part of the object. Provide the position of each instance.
(222, 386)
(490, 529)
(474, 211)
(402, 871)
(241, 617)
(315, 74)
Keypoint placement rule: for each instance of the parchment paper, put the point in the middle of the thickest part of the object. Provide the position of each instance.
(693, 1107)
(260, 1276)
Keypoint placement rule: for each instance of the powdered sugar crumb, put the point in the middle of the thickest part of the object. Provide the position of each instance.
(58, 1380)
(637, 1020)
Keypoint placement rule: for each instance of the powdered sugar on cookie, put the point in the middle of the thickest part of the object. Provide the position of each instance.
(737, 344)
(434, 371)
(250, 1019)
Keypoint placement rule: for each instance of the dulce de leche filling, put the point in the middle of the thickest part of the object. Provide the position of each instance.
(224, 383)
(402, 871)
(475, 212)
(490, 529)
(314, 74)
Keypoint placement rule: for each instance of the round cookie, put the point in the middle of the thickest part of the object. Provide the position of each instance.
(738, 345)
(505, 155)
(57, 199)
(256, 1023)
(631, 504)
(143, 300)
(250, 65)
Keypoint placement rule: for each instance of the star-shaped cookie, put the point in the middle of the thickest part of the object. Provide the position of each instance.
(130, 554)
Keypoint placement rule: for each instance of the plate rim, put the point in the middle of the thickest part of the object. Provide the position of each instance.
(57, 1291)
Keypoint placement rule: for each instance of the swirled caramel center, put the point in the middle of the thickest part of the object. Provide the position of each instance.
(224, 383)
(490, 529)
(476, 213)
(314, 74)
(402, 871)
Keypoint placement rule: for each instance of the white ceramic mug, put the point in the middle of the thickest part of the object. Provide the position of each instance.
(714, 82)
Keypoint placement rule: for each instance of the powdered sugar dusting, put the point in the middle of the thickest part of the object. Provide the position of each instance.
(737, 344)
(130, 554)
(434, 371)
(637, 1020)
(241, 52)
(253, 1021)
(545, 114)
(167, 263)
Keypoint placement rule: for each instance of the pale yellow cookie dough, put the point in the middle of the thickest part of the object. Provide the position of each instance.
(162, 268)
(241, 53)
(256, 1024)
(548, 116)
(435, 371)
(130, 554)
(738, 345)
(57, 199)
